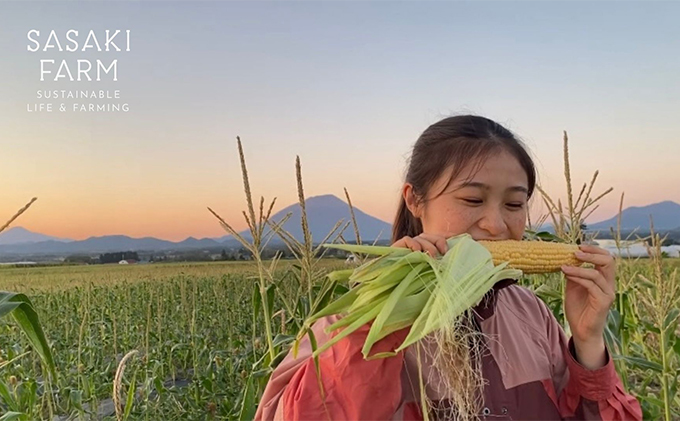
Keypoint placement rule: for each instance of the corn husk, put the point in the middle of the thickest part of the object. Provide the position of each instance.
(403, 288)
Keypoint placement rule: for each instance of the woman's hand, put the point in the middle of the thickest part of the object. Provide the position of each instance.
(430, 243)
(588, 296)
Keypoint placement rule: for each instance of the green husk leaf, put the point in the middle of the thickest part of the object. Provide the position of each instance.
(370, 250)
(388, 308)
(403, 288)
(365, 318)
(338, 306)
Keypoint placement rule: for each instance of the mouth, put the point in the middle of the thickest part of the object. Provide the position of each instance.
(448, 235)
(490, 239)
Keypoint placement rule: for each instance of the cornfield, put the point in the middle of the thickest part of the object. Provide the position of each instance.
(199, 341)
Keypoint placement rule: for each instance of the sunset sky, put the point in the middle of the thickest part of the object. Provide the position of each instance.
(347, 86)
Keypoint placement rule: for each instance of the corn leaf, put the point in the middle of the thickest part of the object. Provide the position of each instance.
(22, 310)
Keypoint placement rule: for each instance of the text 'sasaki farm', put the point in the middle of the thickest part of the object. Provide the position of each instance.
(73, 41)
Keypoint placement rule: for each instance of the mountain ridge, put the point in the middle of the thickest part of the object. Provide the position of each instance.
(666, 216)
(323, 212)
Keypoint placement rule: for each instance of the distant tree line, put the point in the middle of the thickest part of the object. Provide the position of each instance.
(117, 257)
(202, 255)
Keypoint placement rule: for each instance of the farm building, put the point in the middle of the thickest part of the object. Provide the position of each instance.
(351, 260)
(18, 263)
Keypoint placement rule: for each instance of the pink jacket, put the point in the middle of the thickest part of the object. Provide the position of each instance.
(531, 373)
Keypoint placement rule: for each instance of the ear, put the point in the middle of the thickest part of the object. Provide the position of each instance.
(410, 199)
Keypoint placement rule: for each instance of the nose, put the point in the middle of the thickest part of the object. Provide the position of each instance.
(493, 223)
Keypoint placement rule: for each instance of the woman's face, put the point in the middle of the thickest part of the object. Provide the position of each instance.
(491, 205)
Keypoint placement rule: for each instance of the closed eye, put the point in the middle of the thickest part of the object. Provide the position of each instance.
(516, 205)
(473, 201)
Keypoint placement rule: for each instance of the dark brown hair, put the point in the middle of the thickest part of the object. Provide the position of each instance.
(454, 142)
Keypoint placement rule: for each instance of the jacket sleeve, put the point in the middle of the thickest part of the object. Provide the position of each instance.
(353, 388)
(596, 394)
(581, 393)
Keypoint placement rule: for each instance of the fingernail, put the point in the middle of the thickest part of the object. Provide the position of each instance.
(566, 268)
(580, 254)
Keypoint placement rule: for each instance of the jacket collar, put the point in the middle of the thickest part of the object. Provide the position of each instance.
(487, 306)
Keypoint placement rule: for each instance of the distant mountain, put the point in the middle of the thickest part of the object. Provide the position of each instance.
(323, 212)
(108, 243)
(19, 235)
(666, 216)
(192, 242)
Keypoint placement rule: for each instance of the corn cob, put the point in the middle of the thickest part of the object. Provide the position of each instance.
(532, 256)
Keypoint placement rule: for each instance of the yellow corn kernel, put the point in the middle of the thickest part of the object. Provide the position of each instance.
(532, 256)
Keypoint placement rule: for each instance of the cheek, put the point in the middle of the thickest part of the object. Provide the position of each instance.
(517, 222)
(451, 220)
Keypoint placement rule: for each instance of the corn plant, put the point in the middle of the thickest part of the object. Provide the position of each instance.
(22, 311)
(568, 223)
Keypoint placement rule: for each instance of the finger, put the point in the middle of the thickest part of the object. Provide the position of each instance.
(589, 248)
(604, 263)
(438, 240)
(416, 244)
(413, 244)
(592, 275)
(427, 246)
(595, 258)
(592, 288)
(403, 242)
(400, 242)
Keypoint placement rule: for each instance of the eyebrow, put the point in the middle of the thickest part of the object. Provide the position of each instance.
(486, 186)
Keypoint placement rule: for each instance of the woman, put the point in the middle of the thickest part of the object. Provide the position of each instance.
(468, 174)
